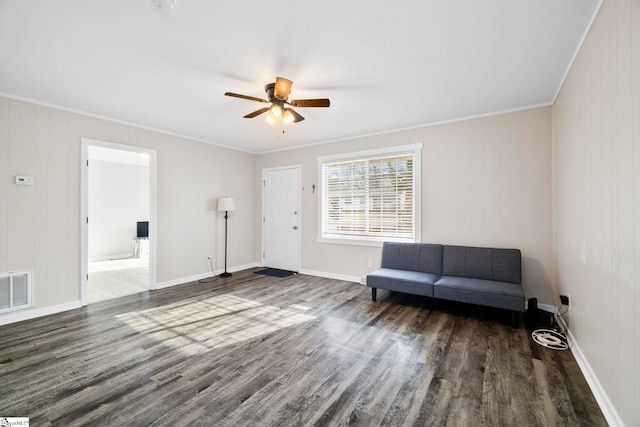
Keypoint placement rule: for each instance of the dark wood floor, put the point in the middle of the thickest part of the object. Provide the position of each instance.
(261, 351)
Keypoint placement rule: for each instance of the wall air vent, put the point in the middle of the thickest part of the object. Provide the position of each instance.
(15, 290)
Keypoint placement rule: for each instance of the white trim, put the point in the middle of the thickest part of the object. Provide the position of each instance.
(111, 257)
(424, 125)
(578, 49)
(329, 141)
(387, 151)
(606, 406)
(548, 308)
(183, 280)
(84, 209)
(122, 122)
(277, 168)
(84, 227)
(196, 277)
(38, 312)
(373, 242)
(299, 207)
(346, 278)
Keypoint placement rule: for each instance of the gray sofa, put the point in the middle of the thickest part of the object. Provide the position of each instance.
(484, 276)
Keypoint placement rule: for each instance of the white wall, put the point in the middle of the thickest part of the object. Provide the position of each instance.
(485, 182)
(596, 151)
(40, 225)
(118, 199)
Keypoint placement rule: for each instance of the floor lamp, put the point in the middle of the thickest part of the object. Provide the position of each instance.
(227, 205)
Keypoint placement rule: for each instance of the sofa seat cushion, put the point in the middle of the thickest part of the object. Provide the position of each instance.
(482, 292)
(412, 282)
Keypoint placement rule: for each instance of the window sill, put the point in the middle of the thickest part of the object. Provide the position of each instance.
(375, 242)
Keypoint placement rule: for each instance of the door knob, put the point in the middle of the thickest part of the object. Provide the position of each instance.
(295, 227)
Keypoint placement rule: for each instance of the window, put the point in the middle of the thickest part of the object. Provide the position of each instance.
(370, 197)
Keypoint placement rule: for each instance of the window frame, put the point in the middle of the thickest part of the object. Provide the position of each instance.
(414, 150)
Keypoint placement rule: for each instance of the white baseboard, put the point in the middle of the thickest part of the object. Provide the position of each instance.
(344, 277)
(196, 277)
(181, 281)
(607, 408)
(242, 267)
(549, 308)
(32, 313)
(111, 257)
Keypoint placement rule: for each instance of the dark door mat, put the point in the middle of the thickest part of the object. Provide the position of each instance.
(275, 272)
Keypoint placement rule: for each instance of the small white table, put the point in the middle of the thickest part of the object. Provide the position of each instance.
(140, 248)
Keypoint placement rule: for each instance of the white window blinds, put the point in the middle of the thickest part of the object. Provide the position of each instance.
(369, 197)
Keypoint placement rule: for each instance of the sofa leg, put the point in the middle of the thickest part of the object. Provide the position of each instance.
(373, 294)
(515, 319)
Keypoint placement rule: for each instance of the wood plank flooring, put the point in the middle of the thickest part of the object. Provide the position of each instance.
(254, 350)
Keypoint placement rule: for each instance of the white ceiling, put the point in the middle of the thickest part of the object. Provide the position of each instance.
(385, 65)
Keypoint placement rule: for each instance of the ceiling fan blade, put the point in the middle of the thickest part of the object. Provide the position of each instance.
(257, 113)
(250, 98)
(323, 102)
(296, 117)
(283, 88)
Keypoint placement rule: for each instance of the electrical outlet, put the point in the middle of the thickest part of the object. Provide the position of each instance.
(564, 300)
(370, 263)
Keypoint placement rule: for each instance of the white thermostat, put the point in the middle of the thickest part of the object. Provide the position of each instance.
(24, 180)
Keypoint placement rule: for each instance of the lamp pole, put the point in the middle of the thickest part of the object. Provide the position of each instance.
(226, 222)
(226, 205)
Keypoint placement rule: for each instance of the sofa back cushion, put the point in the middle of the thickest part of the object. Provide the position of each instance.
(502, 265)
(424, 257)
(507, 265)
(431, 258)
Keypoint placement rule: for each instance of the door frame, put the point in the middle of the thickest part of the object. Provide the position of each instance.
(298, 169)
(85, 143)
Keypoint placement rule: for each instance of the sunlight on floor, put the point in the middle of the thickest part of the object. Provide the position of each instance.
(197, 326)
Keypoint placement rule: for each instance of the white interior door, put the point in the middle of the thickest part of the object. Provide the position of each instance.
(281, 218)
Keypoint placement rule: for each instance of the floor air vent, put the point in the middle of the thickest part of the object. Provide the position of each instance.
(15, 290)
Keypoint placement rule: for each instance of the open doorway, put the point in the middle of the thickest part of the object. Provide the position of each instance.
(118, 188)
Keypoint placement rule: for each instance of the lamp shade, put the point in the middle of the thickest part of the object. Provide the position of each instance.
(226, 204)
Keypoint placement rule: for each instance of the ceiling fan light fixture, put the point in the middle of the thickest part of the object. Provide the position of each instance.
(282, 88)
(287, 116)
(269, 119)
(276, 111)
